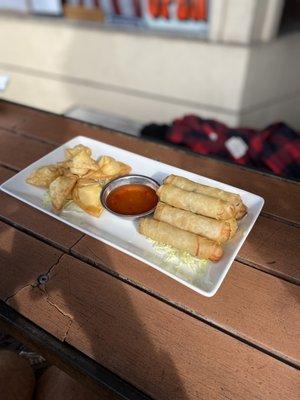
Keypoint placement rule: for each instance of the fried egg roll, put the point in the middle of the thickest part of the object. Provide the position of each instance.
(190, 186)
(165, 233)
(220, 231)
(196, 202)
(233, 227)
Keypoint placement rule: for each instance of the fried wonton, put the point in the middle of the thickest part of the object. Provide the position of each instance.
(71, 152)
(115, 168)
(109, 169)
(104, 160)
(60, 190)
(63, 167)
(82, 163)
(78, 178)
(43, 176)
(86, 194)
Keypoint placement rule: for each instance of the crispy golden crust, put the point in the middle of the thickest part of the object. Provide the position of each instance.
(197, 203)
(220, 231)
(180, 239)
(232, 198)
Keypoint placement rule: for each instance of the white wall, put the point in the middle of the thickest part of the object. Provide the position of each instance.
(272, 85)
(244, 21)
(56, 65)
(161, 76)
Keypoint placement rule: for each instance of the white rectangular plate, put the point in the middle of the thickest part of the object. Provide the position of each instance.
(122, 234)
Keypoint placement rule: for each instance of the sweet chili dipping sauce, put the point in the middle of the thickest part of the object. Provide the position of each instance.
(132, 199)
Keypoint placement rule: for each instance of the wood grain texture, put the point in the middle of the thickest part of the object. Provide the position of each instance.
(139, 337)
(247, 302)
(57, 129)
(40, 224)
(22, 260)
(18, 152)
(274, 247)
(46, 314)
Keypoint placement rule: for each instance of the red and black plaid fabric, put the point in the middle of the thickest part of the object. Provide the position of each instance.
(276, 148)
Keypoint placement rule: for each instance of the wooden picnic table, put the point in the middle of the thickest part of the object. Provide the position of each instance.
(117, 324)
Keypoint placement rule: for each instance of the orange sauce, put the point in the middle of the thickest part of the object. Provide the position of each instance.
(132, 199)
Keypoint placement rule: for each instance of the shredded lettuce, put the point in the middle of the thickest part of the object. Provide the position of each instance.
(180, 263)
(46, 200)
(70, 206)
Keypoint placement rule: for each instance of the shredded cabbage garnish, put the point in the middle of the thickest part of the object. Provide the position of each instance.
(69, 206)
(180, 263)
(46, 200)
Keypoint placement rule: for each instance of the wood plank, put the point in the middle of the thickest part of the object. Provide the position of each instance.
(18, 152)
(246, 303)
(11, 114)
(47, 314)
(273, 247)
(138, 336)
(42, 225)
(17, 269)
(58, 129)
(256, 250)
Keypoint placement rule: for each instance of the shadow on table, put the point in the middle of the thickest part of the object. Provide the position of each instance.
(103, 317)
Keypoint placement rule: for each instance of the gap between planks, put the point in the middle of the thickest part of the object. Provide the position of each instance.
(274, 273)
